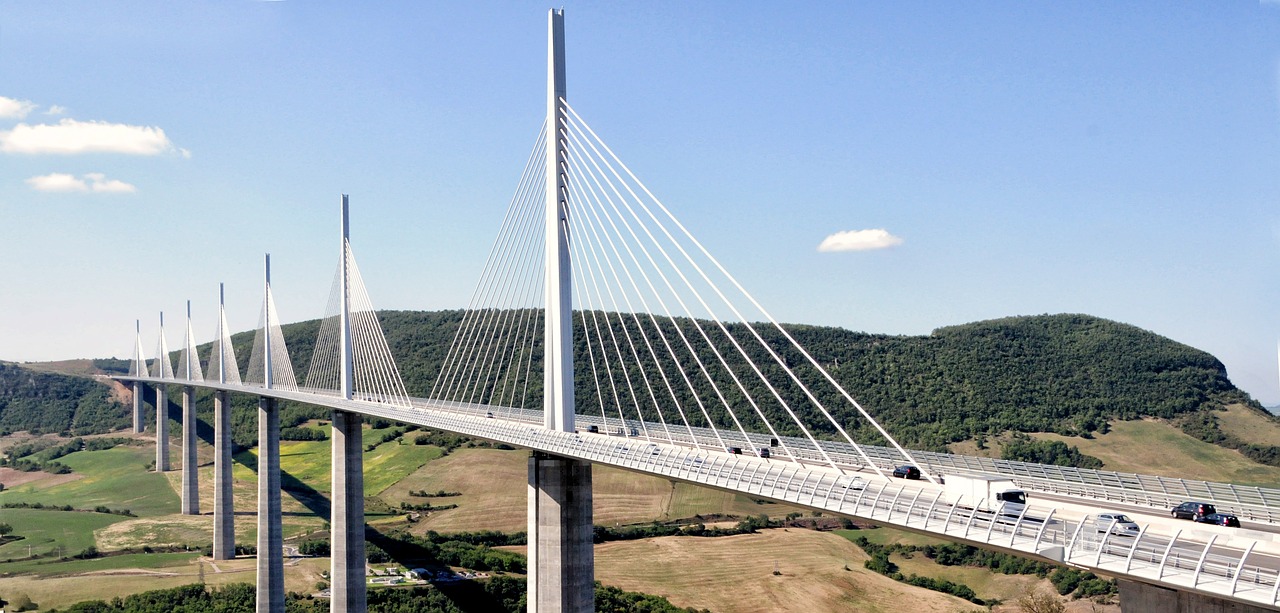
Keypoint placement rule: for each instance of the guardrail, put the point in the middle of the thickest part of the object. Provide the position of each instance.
(1248, 502)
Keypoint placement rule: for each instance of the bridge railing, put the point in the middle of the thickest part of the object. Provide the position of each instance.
(1035, 531)
(1248, 502)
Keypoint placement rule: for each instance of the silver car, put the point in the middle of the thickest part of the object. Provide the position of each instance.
(1123, 526)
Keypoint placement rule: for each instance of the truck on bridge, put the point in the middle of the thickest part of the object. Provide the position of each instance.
(985, 493)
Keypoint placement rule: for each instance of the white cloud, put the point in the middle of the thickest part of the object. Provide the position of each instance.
(15, 109)
(859, 240)
(71, 137)
(56, 110)
(92, 182)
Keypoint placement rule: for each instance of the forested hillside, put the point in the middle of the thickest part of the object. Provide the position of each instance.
(1069, 374)
(50, 402)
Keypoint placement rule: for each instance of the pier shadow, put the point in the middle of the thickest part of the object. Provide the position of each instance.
(314, 500)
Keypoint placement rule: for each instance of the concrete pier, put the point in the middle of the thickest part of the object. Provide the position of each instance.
(224, 530)
(162, 428)
(347, 523)
(190, 482)
(1138, 597)
(270, 541)
(138, 389)
(561, 559)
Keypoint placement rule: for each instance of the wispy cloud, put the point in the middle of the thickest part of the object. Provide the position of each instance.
(95, 182)
(56, 110)
(859, 240)
(69, 137)
(15, 109)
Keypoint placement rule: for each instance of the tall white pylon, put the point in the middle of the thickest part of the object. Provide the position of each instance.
(189, 361)
(223, 367)
(266, 326)
(346, 367)
(558, 284)
(270, 365)
(163, 368)
(139, 366)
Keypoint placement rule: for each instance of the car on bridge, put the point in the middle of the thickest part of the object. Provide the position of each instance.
(1193, 510)
(907, 472)
(1118, 523)
(1221, 519)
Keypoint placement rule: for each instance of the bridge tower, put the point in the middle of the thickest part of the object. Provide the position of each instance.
(162, 404)
(347, 552)
(140, 369)
(561, 560)
(190, 370)
(270, 531)
(224, 532)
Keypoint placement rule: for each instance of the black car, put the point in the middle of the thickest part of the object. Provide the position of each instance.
(907, 472)
(1221, 519)
(1193, 510)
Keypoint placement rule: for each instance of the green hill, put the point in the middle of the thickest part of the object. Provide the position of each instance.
(1066, 374)
(52, 402)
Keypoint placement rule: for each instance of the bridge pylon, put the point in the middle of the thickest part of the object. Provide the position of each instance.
(191, 372)
(163, 369)
(561, 559)
(347, 551)
(223, 369)
(138, 368)
(270, 575)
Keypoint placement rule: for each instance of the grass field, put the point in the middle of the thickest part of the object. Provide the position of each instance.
(116, 478)
(60, 590)
(62, 532)
(1249, 426)
(309, 461)
(736, 573)
(53, 568)
(1130, 444)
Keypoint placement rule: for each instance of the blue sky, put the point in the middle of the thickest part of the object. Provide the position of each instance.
(1116, 160)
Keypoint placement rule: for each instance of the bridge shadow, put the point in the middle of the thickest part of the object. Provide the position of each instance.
(468, 595)
(312, 499)
(173, 411)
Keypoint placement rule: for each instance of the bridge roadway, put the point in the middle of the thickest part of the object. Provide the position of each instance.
(1225, 564)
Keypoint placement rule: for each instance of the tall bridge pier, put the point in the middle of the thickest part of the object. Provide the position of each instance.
(270, 530)
(190, 482)
(162, 428)
(1137, 597)
(224, 531)
(561, 559)
(347, 553)
(138, 390)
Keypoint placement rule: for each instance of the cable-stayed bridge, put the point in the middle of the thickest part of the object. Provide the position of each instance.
(603, 331)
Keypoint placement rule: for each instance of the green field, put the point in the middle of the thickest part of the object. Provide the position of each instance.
(50, 568)
(62, 532)
(116, 478)
(309, 461)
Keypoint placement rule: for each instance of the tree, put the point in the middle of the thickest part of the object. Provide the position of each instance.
(22, 602)
(1036, 601)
